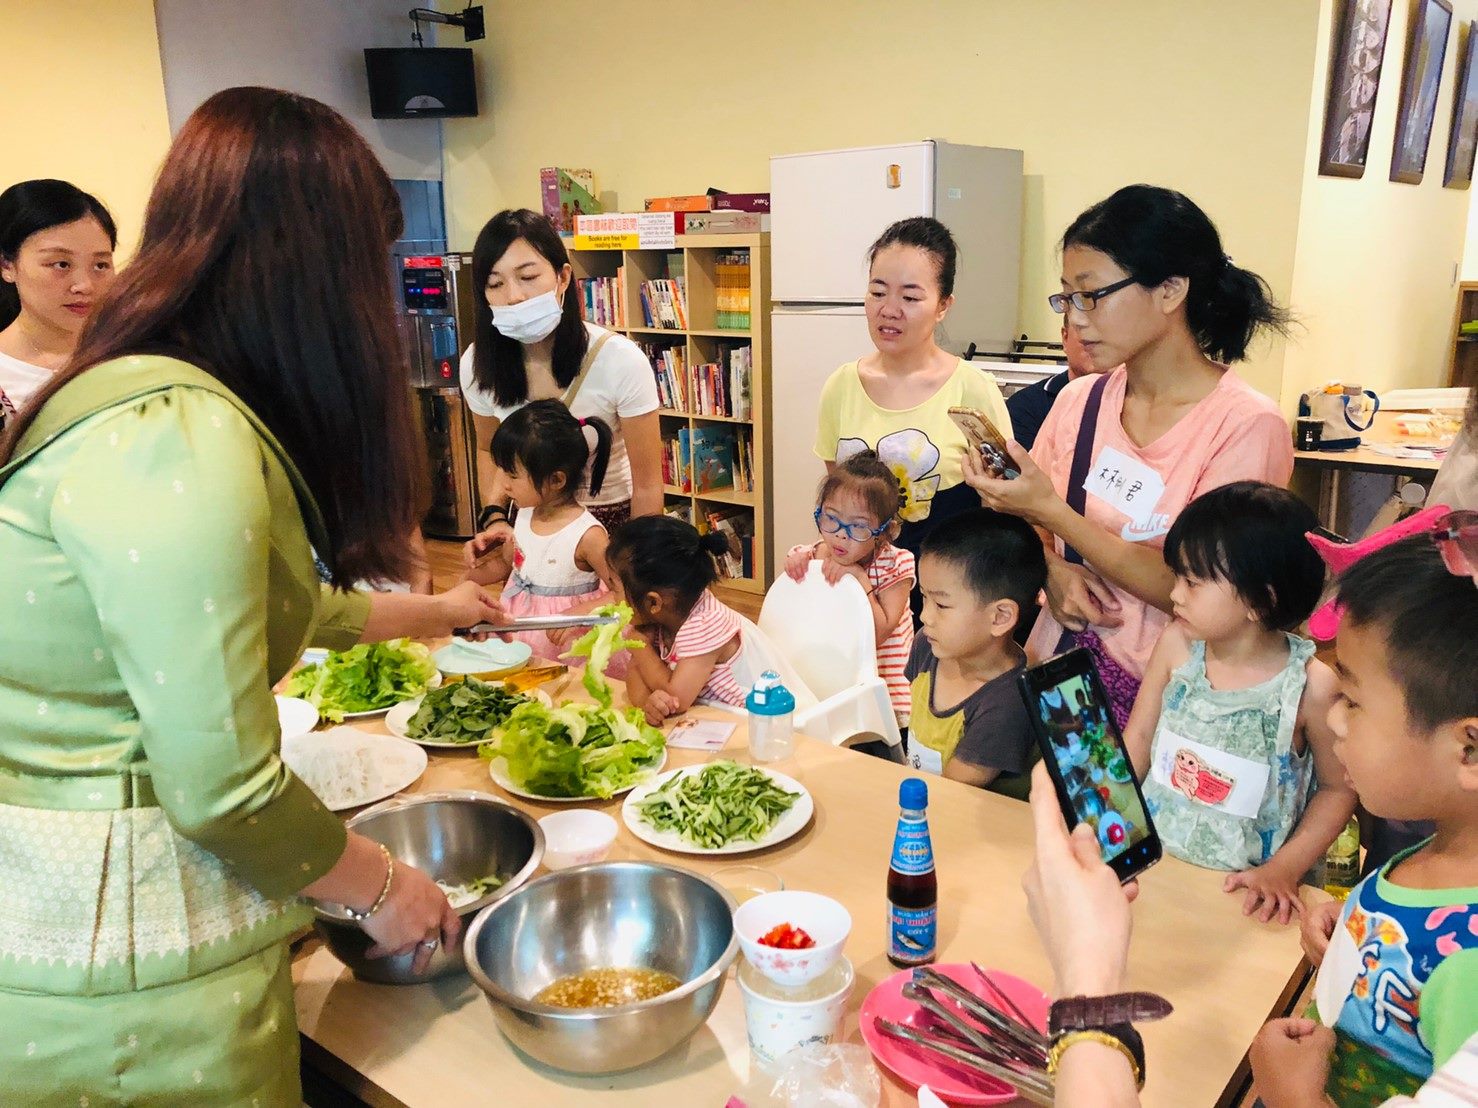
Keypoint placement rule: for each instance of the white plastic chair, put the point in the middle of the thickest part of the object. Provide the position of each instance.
(826, 633)
(756, 655)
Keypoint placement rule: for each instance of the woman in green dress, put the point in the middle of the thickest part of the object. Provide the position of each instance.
(237, 401)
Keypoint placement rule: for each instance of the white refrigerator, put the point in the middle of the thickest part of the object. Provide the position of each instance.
(827, 209)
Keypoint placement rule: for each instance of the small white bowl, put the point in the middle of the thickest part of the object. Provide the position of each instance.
(821, 917)
(576, 837)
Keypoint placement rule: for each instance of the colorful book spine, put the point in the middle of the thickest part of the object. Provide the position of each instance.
(742, 202)
(678, 204)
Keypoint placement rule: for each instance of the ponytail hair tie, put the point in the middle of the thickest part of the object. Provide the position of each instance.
(581, 421)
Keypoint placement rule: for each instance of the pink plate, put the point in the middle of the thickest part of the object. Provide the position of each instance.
(918, 1066)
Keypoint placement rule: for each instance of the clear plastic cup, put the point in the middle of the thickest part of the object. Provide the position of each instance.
(747, 882)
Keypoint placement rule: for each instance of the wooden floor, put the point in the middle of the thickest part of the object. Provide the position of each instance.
(447, 569)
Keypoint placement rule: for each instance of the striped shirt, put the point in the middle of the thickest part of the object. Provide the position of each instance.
(890, 565)
(710, 626)
(1454, 1085)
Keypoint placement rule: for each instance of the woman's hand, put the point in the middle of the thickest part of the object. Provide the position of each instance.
(468, 604)
(1290, 1063)
(1077, 905)
(798, 561)
(485, 542)
(1030, 496)
(1078, 597)
(1268, 888)
(1316, 927)
(416, 916)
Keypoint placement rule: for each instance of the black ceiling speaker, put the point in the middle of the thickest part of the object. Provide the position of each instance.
(421, 83)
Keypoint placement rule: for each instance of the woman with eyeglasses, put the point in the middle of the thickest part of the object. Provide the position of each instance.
(1146, 283)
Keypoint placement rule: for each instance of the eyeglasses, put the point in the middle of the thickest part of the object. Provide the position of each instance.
(829, 524)
(1456, 536)
(1085, 301)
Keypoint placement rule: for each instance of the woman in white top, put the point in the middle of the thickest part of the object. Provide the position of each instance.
(56, 261)
(531, 343)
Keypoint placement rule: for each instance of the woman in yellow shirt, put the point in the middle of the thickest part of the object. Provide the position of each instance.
(896, 400)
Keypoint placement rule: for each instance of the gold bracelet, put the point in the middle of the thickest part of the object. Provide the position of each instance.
(1062, 1042)
(384, 892)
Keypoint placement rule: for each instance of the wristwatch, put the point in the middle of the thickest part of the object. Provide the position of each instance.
(1080, 1013)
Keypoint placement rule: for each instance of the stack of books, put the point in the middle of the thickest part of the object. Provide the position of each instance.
(743, 462)
(669, 366)
(733, 291)
(664, 304)
(737, 525)
(677, 468)
(604, 299)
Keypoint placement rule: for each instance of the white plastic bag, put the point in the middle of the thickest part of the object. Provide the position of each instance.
(838, 1075)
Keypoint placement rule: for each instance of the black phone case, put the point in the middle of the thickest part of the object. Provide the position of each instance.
(1031, 683)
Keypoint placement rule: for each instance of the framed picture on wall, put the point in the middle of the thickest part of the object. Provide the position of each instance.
(1354, 77)
(1462, 142)
(1426, 47)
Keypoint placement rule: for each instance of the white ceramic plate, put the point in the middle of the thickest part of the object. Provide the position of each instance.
(347, 768)
(493, 656)
(791, 824)
(498, 771)
(295, 716)
(398, 718)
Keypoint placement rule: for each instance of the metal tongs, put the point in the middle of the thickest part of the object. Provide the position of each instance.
(537, 623)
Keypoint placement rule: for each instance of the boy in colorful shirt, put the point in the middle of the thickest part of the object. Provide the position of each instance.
(1399, 979)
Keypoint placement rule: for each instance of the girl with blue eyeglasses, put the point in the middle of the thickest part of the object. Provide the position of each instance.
(857, 514)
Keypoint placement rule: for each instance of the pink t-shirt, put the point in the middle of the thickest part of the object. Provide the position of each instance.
(1234, 434)
(709, 626)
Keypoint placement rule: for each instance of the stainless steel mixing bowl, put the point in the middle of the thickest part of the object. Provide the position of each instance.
(604, 915)
(454, 837)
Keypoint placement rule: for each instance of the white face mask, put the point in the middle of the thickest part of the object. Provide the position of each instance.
(531, 320)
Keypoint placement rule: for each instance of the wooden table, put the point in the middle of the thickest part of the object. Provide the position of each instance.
(1332, 466)
(438, 1044)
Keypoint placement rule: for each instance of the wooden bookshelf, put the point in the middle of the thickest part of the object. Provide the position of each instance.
(1462, 366)
(702, 342)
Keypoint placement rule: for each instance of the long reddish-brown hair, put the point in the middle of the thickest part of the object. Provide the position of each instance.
(264, 261)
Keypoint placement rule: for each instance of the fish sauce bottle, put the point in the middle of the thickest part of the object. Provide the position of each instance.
(913, 888)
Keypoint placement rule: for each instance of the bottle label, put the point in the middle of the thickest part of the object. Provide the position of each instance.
(911, 933)
(913, 854)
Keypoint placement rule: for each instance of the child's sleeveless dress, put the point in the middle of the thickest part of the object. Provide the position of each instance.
(1225, 787)
(546, 581)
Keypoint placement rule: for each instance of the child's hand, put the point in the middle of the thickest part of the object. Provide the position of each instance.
(485, 542)
(832, 572)
(1317, 925)
(1268, 888)
(1290, 1063)
(660, 704)
(798, 561)
(564, 637)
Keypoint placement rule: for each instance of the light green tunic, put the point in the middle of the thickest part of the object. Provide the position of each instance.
(155, 579)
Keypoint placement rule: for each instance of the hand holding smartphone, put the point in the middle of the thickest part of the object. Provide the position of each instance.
(1088, 762)
(983, 437)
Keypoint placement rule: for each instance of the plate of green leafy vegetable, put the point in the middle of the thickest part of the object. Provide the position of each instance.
(459, 715)
(365, 680)
(719, 808)
(578, 751)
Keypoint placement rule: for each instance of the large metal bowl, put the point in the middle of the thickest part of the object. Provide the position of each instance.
(454, 837)
(604, 915)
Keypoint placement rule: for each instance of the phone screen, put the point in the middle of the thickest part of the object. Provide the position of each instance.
(1088, 761)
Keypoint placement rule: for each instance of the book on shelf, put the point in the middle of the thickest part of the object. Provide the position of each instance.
(677, 470)
(741, 381)
(680, 510)
(725, 223)
(742, 202)
(743, 461)
(711, 458)
(669, 367)
(567, 193)
(604, 300)
(664, 304)
(737, 526)
(732, 291)
(678, 203)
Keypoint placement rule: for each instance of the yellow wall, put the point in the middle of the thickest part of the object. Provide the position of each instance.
(1210, 98)
(84, 100)
(1375, 272)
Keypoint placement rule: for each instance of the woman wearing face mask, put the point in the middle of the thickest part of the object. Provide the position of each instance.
(1145, 282)
(56, 260)
(531, 343)
(896, 400)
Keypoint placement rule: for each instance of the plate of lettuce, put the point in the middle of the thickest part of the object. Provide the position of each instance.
(578, 751)
(365, 680)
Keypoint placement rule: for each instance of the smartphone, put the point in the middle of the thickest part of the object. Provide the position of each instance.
(1088, 762)
(983, 436)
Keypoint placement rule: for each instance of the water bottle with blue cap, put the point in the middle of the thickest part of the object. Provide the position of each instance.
(771, 719)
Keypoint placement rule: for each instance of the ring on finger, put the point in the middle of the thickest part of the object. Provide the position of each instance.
(429, 944)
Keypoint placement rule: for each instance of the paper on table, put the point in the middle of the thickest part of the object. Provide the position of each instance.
(700, 734)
